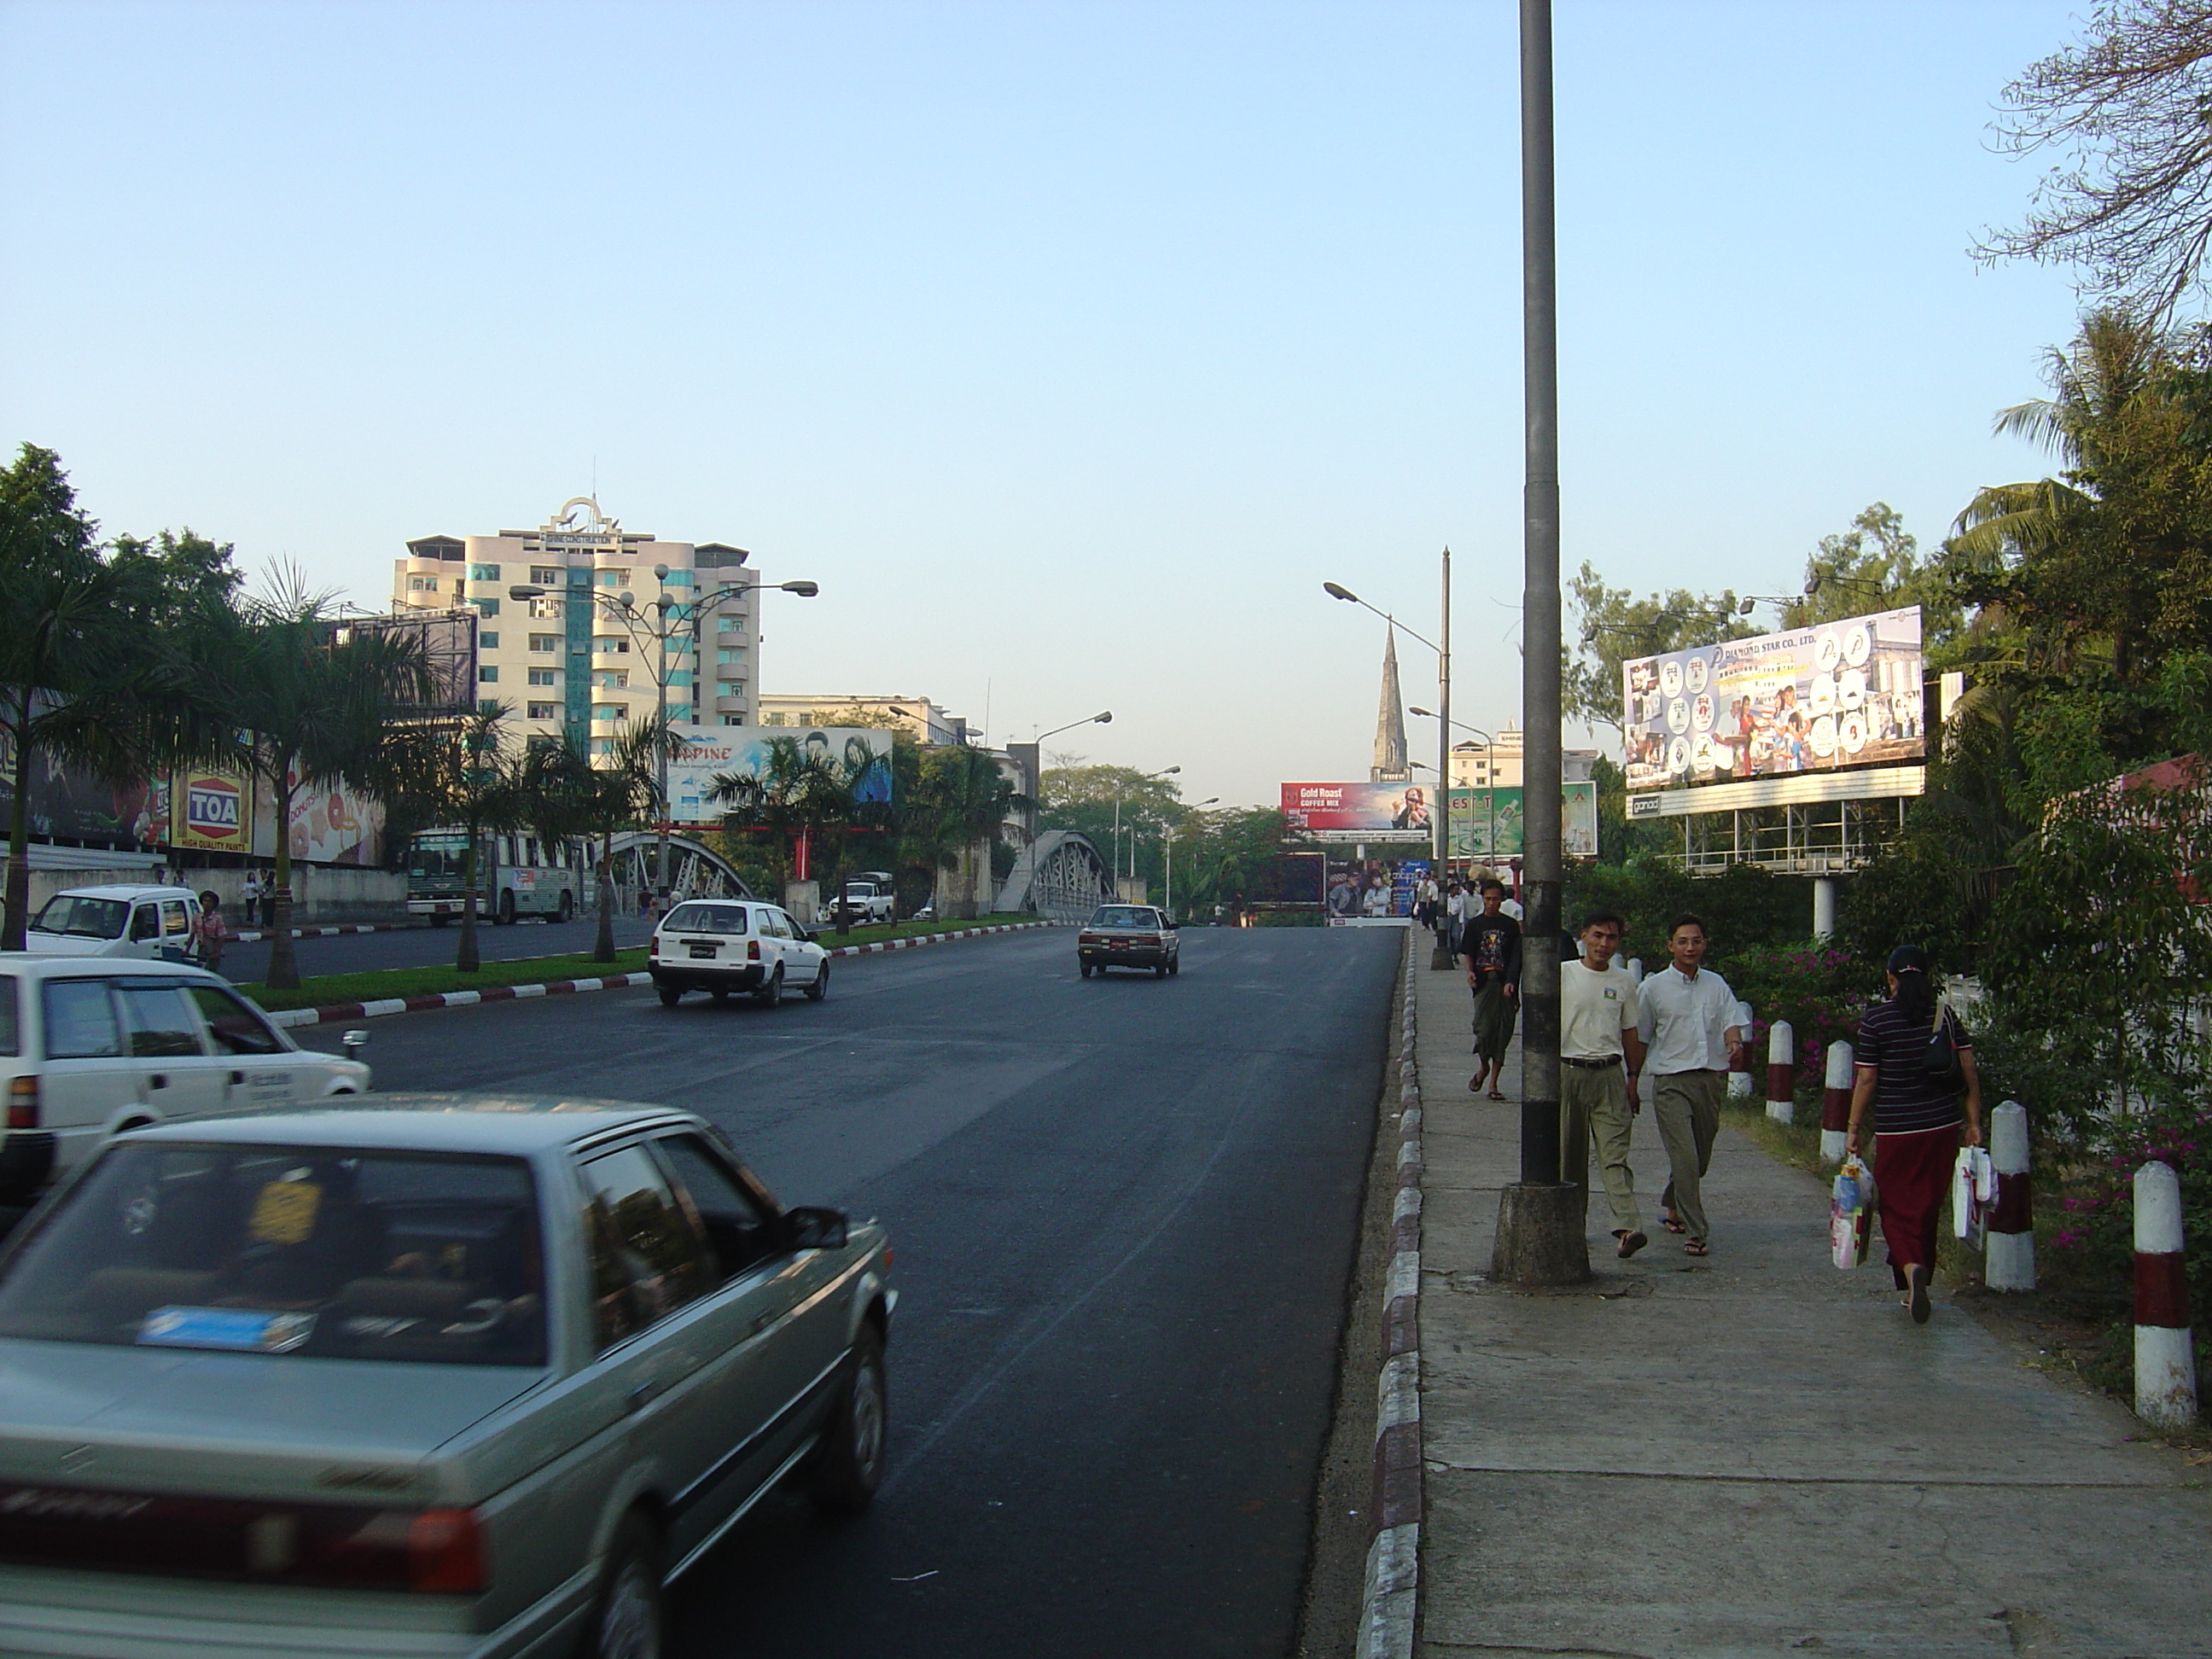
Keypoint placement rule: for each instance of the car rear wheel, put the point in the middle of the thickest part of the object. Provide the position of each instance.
(1175, 967)
(1084, 969)
(850, 1466)
(626, 1618)
(670, 996)
(770, 994)
(820, 988)
(1160, 971)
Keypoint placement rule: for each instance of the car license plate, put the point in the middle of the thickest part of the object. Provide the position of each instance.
(702, 949)
(1118, 945)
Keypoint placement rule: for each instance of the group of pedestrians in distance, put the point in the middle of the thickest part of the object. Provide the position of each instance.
(1681, 1029)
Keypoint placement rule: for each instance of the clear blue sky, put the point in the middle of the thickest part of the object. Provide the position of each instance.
(1069, 347)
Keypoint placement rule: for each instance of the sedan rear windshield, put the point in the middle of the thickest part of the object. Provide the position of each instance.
(706, 919)
(86, 918)
(1124, 916)
(289, 1250)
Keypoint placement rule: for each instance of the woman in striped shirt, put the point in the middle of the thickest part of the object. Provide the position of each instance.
(1917, 1116)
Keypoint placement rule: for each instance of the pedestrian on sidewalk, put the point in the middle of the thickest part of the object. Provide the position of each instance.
(211, 933)
(1459, 905)
(1917, 1116)
(1598, 1036)
(1490, 946)
(1686, 1017)
(249, 896)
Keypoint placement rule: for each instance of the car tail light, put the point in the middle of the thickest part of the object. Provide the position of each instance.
(445, 1552)
(1090, 938)
(752, 950)
(432, 1552)
(23, 1103)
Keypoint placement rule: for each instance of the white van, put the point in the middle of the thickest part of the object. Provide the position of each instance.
(152, 923)
(88, 1049)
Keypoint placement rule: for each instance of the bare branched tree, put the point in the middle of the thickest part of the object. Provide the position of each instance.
(2129, 111)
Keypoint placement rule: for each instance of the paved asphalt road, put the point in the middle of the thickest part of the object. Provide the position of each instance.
(1124, 1212)
(427, 947)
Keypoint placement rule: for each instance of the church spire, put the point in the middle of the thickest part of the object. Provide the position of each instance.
(1389, 721)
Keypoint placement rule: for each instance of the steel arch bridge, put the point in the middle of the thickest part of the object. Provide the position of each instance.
(695, 870)
(1060, 876)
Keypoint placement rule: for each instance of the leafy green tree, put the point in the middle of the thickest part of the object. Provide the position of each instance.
(796, 793)
(1618, 627)
(87, 676)
(1106, 804)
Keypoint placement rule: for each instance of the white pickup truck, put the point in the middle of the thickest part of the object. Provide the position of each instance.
(869, 899)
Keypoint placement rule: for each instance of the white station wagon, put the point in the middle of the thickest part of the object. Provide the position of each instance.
(91, 1046)
(154, 923)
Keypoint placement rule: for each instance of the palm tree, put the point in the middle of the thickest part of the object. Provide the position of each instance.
(797, 794)
(2079, 559)
(569, 794)
(955, 812)
(312, 707)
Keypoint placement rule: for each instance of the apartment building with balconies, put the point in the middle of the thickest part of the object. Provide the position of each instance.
(570, 654)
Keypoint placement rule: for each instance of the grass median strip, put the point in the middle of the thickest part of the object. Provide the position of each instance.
(324, 989)
(378, 985)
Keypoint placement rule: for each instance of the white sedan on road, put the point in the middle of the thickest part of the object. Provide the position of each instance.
(722, 945)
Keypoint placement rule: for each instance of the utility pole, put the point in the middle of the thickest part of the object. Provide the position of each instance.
(1540, 1227)
(1441, 956)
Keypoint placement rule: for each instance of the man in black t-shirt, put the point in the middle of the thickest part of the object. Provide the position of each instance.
(1490, 946)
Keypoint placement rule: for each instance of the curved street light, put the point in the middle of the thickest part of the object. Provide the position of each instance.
(663, 627)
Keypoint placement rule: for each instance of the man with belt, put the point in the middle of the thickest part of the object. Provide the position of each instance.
(1597, 1098)
(1688, 1021)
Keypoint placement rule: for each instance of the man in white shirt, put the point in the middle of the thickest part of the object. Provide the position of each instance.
(1597, 1099)
(1688, 1023)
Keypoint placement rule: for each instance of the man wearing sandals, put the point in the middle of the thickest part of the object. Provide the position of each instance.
(1688, 1023)
(1597, 1099)
(1490, 946)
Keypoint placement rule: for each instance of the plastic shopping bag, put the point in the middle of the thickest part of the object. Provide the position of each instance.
(1973, 1195)
(1850, 1214)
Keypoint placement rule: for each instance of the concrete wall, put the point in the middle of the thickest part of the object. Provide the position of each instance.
(321, 894)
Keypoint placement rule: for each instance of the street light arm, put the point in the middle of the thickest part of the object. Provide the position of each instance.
(1336, 593)
(1104, 717)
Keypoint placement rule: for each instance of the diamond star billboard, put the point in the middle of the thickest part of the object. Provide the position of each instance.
(1833, 697)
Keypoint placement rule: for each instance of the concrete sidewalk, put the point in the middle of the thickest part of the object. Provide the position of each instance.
(1755, 1453)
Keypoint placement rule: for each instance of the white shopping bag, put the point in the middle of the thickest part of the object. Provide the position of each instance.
(1973, 1195)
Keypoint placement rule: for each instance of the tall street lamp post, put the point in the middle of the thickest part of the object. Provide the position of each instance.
(1490, 771)
(1440, 816)
(1540, 1238)
(669, 620)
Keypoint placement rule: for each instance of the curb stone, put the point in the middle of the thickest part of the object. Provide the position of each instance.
(337, 1012)
(1388, 1607)
(255, 935)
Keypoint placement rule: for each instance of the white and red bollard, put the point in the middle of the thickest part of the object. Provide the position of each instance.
(1738, 1083)
(2165, 1355)
(1781, 1071)
(2009, 1253)
(1836, 1103)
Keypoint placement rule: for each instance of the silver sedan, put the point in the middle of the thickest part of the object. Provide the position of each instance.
(438, 1375)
